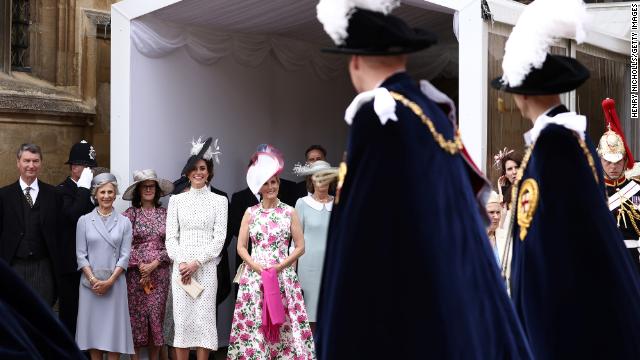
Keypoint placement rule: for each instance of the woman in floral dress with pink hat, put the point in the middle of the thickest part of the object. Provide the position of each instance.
(270, 225)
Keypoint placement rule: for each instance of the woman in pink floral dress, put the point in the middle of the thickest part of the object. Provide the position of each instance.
(270, 226)
(149, 271)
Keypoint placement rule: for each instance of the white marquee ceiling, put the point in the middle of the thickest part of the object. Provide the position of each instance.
(295, 20)
(291, 18)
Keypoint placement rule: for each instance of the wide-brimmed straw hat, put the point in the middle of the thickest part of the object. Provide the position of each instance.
(166, 186)
(310, 169)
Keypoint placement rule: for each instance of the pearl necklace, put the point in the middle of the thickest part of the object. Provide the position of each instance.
(328, 199)
(104, 215)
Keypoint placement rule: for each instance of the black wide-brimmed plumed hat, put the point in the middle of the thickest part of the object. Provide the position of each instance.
(82, 153)
(558, 74)
(374, 33)
(527, 66)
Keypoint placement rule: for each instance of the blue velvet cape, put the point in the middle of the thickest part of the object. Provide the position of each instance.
(408, 264)
(573, 284)
(28, 327)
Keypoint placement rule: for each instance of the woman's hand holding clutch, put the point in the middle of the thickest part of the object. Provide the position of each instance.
(187, 270)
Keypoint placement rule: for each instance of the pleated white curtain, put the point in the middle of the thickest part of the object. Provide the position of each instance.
(156, 38)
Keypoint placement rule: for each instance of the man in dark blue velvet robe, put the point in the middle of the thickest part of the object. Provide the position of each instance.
(408, 264)
(572, 283)
(28, 327)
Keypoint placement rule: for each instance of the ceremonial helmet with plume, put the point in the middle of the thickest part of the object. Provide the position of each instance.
(613, 145)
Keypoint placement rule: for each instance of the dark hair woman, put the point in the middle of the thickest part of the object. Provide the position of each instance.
(508, 161)
(196, 231)
(149, 271)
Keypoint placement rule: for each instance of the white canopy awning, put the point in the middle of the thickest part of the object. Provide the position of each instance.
(270, 49)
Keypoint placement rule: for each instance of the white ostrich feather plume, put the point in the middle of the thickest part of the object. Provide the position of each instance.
(211, 153)
(539, 25)
(334, 14)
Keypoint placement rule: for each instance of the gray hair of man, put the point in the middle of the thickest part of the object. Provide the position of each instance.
(101, 180)
(32, 148)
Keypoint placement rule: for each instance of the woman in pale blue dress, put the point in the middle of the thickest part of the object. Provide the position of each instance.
(103, 244)
(314, 211)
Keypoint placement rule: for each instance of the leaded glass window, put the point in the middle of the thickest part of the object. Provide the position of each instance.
(20, 21)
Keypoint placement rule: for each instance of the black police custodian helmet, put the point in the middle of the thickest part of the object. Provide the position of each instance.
(82, 153)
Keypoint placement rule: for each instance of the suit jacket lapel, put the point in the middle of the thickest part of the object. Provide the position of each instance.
(19, 202)
(112, 221)
(41, 201)
(102, 228)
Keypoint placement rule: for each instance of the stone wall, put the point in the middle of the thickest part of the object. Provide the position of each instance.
(65, 98)
(55, 140)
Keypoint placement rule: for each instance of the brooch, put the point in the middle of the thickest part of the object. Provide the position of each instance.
(527, 204)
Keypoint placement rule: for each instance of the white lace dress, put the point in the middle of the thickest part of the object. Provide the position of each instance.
(196, 229)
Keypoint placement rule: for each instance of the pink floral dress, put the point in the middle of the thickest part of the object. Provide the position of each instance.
(270, 235)
(147, 310)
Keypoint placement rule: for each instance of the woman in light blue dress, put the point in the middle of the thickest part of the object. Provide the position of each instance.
(103, 244)
(314, 211)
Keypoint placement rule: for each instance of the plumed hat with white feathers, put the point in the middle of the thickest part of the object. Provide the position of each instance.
(366, 27)
(202, 150)
(527, 66)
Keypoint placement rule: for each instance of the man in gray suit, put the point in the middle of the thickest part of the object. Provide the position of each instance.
(29, 225)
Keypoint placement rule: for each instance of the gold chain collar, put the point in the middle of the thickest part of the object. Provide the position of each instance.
(450, 146)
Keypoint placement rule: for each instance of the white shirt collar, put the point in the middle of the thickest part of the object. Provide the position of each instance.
(569, 120)
(35, 189)
(34, 185)
(316, 205)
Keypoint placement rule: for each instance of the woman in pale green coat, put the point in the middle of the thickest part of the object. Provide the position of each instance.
(314, 211)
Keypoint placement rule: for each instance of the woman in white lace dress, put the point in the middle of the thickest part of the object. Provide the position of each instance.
(196, 229)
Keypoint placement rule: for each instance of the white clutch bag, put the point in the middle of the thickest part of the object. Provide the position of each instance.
(194, 289)
(236, 279)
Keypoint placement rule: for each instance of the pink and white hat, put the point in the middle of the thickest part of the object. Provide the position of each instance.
(265, 163)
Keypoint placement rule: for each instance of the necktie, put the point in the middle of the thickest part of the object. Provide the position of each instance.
(28, 196)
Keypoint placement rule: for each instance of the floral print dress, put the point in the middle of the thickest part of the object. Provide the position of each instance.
(270, 234)
(148, 244)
